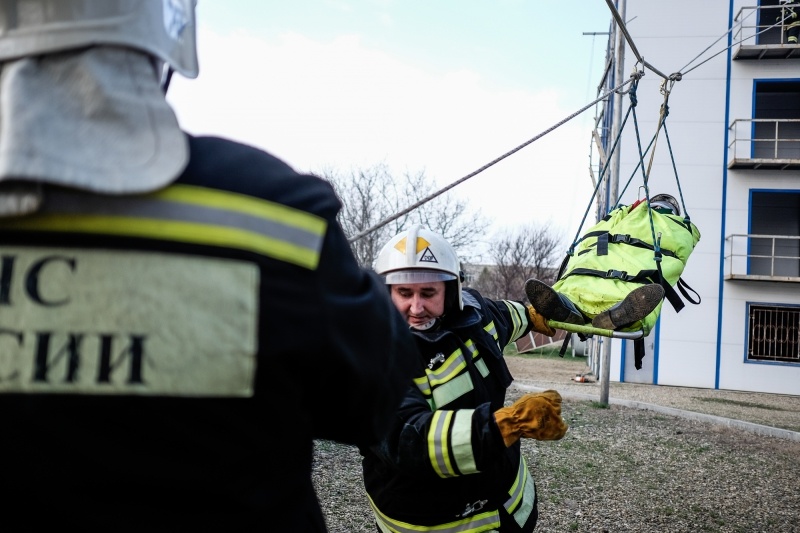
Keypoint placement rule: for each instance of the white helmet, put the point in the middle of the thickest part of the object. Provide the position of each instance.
(164, 29)
(419, 255)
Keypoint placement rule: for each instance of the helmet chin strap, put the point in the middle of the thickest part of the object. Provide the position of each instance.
(426, 326)
(429, 325)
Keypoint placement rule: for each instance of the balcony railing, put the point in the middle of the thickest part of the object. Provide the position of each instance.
(762, 257)
(761, 34)
(764, 143)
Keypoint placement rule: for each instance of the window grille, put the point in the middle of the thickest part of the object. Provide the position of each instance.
(774, 334)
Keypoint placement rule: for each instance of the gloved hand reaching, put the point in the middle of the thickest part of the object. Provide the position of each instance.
(534, 416)
(539, 322)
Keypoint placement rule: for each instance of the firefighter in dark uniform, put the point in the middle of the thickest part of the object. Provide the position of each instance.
(179, 316)
(452, 460)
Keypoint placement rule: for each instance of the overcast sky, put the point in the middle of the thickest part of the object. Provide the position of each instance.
(440, 86)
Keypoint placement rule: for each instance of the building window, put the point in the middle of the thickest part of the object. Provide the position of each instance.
(774, 214)
(773, 333)
(776, 126)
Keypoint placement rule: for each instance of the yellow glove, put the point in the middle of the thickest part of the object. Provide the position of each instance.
(534, 416)
(539, 322)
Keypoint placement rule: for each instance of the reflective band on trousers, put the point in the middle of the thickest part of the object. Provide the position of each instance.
(519, 505)
(479, 523)
(188, 214)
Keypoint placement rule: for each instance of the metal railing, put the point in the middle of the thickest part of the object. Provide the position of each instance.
(762, 257)
(763, 138)
(760, 25)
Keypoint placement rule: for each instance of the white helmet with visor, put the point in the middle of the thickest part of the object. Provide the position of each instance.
(419, 255)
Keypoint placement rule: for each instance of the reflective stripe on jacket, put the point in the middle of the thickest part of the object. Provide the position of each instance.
(444, 466)
(188, 343)
(187, 214)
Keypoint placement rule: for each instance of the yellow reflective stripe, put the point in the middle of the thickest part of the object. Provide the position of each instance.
(437, 444)
(241, 203)
(523, 513)
(453, 389)
(480, 364)
(491, 329)
(522, 494)
(482, 522)
(454, 364)
(423, 385)
(187, 214)
(461, 439)
(472, 348)
(516, 488)
(177, 231)
(519, 317)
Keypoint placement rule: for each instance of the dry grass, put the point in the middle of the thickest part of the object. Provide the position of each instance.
(620, 469)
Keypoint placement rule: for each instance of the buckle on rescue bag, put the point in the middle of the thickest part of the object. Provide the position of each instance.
(617, 274)
(621, 238)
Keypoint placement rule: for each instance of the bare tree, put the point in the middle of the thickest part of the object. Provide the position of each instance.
(370, 196)
(529, 252)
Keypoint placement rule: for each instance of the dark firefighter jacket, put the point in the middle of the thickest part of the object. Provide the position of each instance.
(444, 464)
(167, 359)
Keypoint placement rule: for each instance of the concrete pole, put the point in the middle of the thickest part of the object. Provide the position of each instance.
(613, 182)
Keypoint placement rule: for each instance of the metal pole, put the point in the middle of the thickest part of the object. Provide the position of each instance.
(613, 183)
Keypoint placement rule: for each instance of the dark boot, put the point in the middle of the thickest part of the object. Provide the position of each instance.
(552, 305)
(639, 303)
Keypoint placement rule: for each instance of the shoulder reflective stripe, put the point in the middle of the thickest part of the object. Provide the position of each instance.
(452, 390)
(461, 439)
(522, 494)
(437, 444)
(519, 315)
(483, 522)
(189, 214)
(472, 348)
(480, 364)
(491, 329)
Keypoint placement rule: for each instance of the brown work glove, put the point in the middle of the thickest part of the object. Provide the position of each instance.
(539, 322)
(534, 416)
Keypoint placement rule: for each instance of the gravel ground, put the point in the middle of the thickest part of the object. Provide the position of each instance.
(623, 469)
(773, 410)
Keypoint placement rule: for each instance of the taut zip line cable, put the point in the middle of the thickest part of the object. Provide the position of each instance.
(487, 165)
(621, 24)
(776, 25)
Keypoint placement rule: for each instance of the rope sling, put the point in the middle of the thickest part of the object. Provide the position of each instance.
(653, 275)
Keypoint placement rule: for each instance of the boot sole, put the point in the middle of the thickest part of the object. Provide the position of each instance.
(637, 304)
(546, 301)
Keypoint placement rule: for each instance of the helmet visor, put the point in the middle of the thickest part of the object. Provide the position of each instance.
(401, 277)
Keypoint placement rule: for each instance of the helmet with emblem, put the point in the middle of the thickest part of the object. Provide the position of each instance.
(419, 255)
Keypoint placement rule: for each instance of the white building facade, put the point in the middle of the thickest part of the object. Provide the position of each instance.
(733, 131)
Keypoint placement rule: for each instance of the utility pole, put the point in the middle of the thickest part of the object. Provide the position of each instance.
(613, 181)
